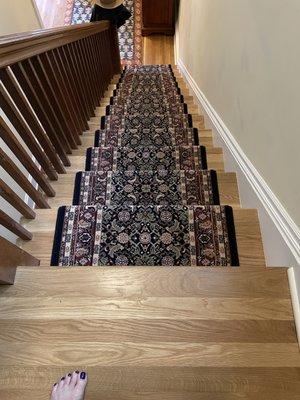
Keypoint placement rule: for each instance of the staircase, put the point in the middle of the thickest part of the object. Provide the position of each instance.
(177, 333)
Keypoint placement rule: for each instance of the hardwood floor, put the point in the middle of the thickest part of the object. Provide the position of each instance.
(150, 333)
(158, 49)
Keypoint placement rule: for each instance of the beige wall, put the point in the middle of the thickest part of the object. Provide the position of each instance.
(17, 16)
(245, 57)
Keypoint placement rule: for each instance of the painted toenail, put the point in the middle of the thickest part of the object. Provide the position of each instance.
(69, 374)
(55, 384)
(82, 375)
(63, 378)
(77, 372)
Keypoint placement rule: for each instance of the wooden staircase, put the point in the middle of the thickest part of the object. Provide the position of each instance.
(150, 333)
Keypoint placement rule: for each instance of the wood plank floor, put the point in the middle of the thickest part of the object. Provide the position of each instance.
(150, 333)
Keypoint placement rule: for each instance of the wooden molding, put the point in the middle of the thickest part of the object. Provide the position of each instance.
(18, 47)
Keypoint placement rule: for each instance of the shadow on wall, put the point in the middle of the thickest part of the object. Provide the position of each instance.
(177, 3)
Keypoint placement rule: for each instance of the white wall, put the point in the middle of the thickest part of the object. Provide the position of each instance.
(18, 16)
(245, 57)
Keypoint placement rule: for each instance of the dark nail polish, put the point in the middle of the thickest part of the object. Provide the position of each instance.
(77, 372)
(55, 384)
(82, 375)
(63, 378)
(69, 374)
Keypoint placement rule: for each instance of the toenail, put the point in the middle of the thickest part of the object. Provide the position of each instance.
(63, 378)
(82, 375)
(69, 374)
(55, 384)
(77, 372)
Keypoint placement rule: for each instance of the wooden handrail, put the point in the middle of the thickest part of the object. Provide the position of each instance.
(51, 81)
(15, 48)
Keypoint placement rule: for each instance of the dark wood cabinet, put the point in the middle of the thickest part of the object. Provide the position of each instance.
(158, 17)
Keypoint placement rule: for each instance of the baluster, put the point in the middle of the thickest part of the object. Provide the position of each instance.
(85, 76)
(10, 82)
(87, 63)
(47, 84)
(25, 132)
(36, 98)
(91, 56)
(42, 93)
(76, 59)
(72, 70)
(10, 167)
(68, 89)
(10, 196)
(8, 137)
(14, 227)
(62, 101)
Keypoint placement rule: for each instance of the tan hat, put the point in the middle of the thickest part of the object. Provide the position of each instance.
(109, 3)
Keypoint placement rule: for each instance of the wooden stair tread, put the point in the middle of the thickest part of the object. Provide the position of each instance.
(146, 330)
(135, 282)
(164, 354)
(197, 381)
(137, 395)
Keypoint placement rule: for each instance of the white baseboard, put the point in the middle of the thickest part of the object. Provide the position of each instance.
(281, 236)
(295, 299)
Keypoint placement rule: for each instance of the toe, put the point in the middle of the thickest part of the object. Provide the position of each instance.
(82, 381)
(68, 378)
(54, 389)
(62, 382)
(74, 378)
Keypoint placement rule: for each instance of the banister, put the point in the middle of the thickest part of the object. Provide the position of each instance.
(18, 47)
(51, 81)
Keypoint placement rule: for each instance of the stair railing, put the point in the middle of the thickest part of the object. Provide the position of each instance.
(51, 81)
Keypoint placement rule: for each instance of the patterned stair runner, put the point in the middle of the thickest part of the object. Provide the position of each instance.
(146, 158)
(146, 197)
(146, 187)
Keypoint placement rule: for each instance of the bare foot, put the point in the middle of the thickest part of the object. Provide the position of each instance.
(70, 387)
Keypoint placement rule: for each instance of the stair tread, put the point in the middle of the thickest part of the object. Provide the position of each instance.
(197, 382)
(150, 354)
(121, 282)
(137, 395)
(55, 330)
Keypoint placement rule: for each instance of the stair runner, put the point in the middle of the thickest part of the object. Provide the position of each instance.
(146, 197)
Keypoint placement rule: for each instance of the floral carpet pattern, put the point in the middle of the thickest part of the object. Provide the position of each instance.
(134, 187)
(130, 34)
(146, 197)
(184, 158)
